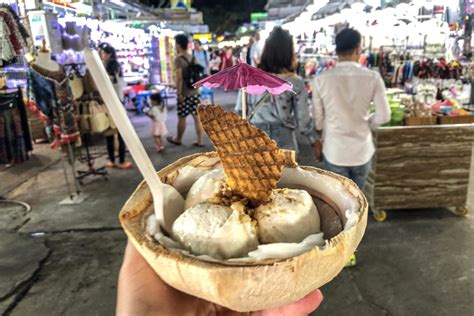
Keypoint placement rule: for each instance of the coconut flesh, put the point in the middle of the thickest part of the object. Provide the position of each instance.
(273, 249)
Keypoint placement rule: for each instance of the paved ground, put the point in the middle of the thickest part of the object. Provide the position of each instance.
(64, 260)
(41, 159)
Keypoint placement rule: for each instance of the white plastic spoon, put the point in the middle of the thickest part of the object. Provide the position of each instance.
(117, 111)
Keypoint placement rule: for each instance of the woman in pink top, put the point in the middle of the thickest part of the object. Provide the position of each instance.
(227, 59)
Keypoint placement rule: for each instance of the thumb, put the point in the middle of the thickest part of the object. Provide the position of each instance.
(306, 305)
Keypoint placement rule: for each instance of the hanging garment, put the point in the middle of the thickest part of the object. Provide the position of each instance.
(25, 126)
(395, 74)
(15, 140)
(7, 51)
(50, 98)
(21, 29)
(406, 72)
(400, 75)
(12, 35)
(74, 37)
(370, 60)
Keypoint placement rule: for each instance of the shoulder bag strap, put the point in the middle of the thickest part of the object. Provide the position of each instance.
(185, 59)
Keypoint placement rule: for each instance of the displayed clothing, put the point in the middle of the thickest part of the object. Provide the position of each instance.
(50, 98)
(342, 99)
(12, 35)
(15, 136)
(74, 37)
(429, 68)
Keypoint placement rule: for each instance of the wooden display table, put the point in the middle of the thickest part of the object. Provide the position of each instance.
(421, 167)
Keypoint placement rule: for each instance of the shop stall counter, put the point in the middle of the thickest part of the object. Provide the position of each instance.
(418, 167)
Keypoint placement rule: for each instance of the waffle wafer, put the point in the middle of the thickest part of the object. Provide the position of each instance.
(252, 161)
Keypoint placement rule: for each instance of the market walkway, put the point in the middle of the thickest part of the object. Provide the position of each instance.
(64, 260)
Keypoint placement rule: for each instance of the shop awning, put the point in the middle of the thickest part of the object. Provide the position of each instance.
(334, 6)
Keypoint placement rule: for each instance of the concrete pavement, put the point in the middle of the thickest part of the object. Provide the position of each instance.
(64, 259)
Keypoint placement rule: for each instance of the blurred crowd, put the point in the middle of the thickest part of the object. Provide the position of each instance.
(216, 59)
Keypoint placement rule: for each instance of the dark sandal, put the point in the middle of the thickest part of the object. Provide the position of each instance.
(172, 141)
(199, 145)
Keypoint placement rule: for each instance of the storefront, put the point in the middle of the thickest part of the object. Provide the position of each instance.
(48, 94)
(422, 50)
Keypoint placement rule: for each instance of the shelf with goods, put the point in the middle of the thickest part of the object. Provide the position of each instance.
(135, 62)
(424, 155)
(162, 61)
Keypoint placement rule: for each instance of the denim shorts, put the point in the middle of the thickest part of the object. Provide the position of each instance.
(284, 136)
(358, 174)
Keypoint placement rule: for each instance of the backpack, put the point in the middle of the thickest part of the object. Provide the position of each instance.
(193, 73)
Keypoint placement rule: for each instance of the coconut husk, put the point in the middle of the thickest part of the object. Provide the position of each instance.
(250, 287)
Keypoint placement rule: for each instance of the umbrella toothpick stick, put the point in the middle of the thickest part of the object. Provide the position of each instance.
(244, 104)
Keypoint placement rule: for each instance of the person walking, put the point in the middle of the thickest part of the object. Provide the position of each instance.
(281, 115)
(256, 50)
(201, 56)
(108, 56)
(158, 114)
(342, 99)
(215, 62)
(188, 97)
(248, 52)
(227, 58)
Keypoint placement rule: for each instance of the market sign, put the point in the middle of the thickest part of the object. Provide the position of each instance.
(203, 37)
(79, 7)
(258, 16)
(83, 8)
(181, 4)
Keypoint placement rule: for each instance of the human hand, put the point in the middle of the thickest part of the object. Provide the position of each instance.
(142, 292)
(318, 150)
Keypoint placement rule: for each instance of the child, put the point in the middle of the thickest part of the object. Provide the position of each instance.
(158, 114)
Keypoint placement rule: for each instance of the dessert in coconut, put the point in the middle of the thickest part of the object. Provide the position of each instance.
(256, 230)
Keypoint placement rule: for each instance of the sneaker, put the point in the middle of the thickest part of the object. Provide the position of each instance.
(126, 165)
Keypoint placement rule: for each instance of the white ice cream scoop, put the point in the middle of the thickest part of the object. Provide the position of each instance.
(204, 188)
(215, 230)
(290, 216)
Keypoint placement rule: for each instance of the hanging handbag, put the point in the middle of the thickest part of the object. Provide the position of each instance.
(99, 120)
(77, 85)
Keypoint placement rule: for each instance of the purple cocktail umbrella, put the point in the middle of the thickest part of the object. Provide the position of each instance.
(250, 79)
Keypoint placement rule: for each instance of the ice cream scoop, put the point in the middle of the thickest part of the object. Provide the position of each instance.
(204, 188)
(215, 230)
(289, 216)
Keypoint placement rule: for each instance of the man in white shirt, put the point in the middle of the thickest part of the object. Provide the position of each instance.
(201, 56)
(256, 50)
(342, 99)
